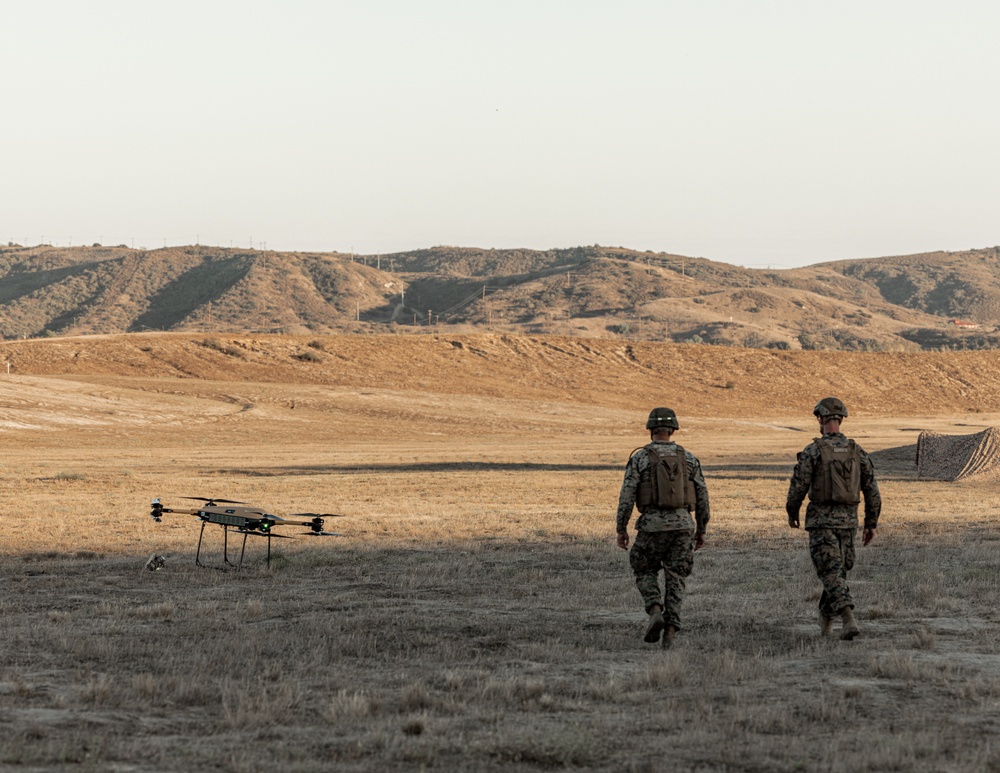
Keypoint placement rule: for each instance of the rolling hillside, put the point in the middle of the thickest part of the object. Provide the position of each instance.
(895, 303)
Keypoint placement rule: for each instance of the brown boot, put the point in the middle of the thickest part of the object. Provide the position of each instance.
(850, 628)
(825, 625)
(669, 634)
(655, 626)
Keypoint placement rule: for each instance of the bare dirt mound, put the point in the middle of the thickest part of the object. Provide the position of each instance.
(698, 380)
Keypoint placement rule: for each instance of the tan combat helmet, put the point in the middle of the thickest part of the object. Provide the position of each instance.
(830, 408)
(660, 418)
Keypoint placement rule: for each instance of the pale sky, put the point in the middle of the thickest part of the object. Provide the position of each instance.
(754, 132)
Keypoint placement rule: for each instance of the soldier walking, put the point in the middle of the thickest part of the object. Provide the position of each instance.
(665, 483)
(836, 472)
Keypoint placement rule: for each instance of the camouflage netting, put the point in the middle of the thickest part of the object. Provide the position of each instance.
(959, 457)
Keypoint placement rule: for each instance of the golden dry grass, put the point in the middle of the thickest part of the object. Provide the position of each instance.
(477, 614)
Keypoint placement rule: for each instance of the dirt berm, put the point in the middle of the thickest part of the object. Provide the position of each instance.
(694, 379)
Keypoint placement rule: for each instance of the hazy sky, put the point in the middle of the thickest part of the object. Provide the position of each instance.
(755, 132)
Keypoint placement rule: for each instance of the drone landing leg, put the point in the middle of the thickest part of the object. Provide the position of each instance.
(225, 547)
(197, 555)
(243, 550)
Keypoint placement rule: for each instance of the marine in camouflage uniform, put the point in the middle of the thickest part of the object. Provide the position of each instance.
(666, 538)
(832, 525)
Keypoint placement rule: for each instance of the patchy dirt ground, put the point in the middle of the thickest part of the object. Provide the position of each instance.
(476, 614)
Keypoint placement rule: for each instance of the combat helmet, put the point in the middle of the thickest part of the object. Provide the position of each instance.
(830, 407)
(662, 417)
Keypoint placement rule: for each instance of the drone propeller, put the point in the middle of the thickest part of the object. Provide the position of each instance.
(323, 534)
(224, 501)
(316, 515)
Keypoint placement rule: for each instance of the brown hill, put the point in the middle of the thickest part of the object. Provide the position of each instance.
(883, 304)
(632, 376)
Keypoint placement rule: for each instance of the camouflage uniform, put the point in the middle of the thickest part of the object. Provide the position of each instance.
(664, 538)
(832, 526)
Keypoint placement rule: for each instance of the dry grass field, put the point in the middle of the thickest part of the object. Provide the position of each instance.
(476, 615)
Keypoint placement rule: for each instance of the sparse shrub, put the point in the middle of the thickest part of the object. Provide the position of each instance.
(621, 328)
(415, 696)
(98, 690)
(227, 349)
(347, 706)
(923, 639)
(161, 611)
(308, 356)
(415, 726)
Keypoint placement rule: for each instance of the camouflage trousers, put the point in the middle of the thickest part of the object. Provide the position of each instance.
(832, 552)
(671, 551)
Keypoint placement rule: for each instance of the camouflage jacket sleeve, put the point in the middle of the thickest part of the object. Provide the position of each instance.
(702, 512)
(869, 489)
(626, 497)
(802, 475)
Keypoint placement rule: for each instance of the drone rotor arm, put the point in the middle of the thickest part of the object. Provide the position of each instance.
(258, 533)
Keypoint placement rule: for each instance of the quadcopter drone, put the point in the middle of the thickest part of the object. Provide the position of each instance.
(245, 519)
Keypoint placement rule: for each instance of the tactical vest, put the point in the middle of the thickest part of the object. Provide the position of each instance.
(669, 486)
(837, 477)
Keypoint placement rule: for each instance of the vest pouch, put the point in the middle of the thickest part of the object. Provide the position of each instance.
(644, 496)
(845, 481)
(671, 487)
